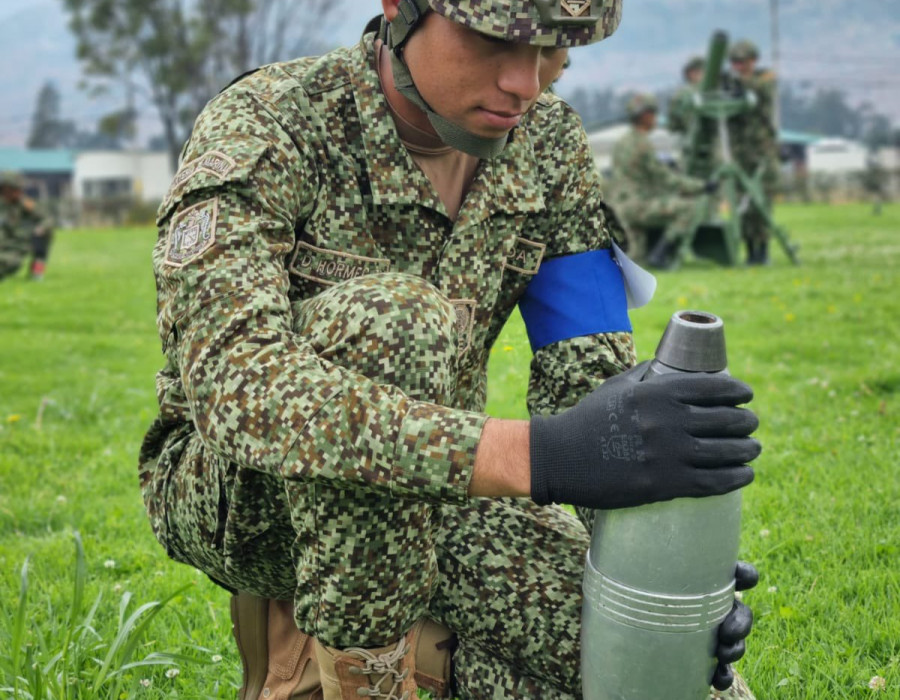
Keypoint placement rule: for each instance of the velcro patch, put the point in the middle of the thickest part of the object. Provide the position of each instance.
(192, 232)
(526, 257)
(332, 266)
(213, 163)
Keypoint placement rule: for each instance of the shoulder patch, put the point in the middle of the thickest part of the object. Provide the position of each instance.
(212, 169)
(212, 162)
(191, 233)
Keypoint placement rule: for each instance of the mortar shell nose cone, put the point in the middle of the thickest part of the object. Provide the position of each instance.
(694, 341)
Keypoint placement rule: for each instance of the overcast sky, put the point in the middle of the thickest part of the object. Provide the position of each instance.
(853, 45)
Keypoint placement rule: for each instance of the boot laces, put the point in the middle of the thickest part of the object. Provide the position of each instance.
(385, 665)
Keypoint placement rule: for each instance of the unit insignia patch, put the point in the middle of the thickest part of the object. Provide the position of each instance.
(191, 233)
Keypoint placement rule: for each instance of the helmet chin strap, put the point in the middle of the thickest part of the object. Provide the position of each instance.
(451, 134)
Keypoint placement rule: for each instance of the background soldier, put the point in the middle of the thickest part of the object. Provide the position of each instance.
(754, 143)
(682, 119)
(648, 194)
(338, 252)
(680, 115)
(24, 229)
(874, 182)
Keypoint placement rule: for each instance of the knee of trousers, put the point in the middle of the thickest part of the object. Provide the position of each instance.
(393, 328)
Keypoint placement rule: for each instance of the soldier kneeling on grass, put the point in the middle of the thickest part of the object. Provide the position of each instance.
(24, 230)
(647, 193)
(343, 242)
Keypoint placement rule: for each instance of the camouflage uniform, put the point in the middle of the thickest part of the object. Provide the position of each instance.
(874, 183)
(754, 145)
(646, 193)
(682, 119)
(679, 116)
(326, 329)
(23, 228)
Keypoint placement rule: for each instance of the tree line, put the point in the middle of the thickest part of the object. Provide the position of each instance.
(174, 55)
(177, 54)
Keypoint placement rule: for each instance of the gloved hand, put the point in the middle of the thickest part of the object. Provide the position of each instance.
(631, 442)
(710, 186)
(734, 628)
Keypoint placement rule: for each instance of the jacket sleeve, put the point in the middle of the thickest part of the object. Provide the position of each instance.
(670, 179)
(577, 222)
(255, 390)
(564, 372)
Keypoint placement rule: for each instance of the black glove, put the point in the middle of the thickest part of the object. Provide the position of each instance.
(710, 186)
(734, 628)
(631, 442)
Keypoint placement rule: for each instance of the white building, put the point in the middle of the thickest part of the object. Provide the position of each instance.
(836, 156)
(143, 176)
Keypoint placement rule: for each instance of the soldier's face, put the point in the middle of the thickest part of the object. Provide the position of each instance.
(743, 68)
(10, 194)
(647, 120)
(479, 83)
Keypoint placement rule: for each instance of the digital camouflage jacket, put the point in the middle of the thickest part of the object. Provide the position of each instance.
(753, 137)
(294, 180)
(638, 175)
(19, 221)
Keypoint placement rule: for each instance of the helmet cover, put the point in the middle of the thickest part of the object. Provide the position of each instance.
(641, 103)
(743, 50)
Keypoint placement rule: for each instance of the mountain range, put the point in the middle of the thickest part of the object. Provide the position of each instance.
(853, 45)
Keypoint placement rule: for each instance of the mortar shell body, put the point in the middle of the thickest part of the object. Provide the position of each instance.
(659, 578)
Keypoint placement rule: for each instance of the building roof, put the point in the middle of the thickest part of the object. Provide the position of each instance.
(613, 131)
(800, 138)
(37, 161)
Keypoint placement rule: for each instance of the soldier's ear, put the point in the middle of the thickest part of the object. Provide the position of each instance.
(390, 8)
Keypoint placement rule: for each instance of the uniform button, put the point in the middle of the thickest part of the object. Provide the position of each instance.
(266, 692)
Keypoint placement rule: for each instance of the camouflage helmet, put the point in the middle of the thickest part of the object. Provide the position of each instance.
(694, 63)
(560, 23)
(12, 179)
(545, 23)
(639, 104)
(743, 50)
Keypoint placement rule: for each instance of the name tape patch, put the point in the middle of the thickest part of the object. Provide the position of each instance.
(331, 266)
(213, 163)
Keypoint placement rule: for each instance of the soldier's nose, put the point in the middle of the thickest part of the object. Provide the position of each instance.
(520, 73)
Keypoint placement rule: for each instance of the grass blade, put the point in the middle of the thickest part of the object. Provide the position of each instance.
(19, 628)
(77, 598)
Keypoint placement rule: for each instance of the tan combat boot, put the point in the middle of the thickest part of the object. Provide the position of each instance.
(386, 673)
(279, 660)
(433, 646)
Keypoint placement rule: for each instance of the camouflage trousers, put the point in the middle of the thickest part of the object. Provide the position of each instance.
(755, 220)
(675, 215)
(362, 566)
(13, 252)
(755, 226)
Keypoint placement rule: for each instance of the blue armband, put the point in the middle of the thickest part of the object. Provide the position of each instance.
(575, 295)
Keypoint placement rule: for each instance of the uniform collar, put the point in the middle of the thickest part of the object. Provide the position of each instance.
(507, 183)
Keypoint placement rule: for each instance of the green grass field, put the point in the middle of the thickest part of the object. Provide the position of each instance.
(819, 343)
